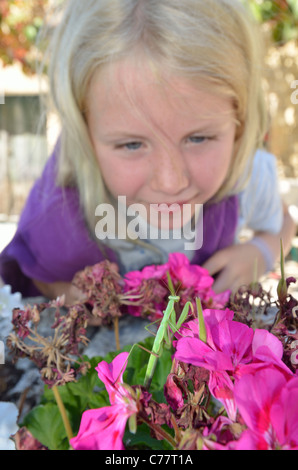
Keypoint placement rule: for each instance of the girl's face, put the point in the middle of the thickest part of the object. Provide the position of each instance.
(159, 142)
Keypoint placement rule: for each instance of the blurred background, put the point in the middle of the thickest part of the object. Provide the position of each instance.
(28, 133)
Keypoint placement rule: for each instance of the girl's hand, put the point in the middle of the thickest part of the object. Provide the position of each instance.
(244, 263)
(57, 289)
(72, 295)
(234, 266)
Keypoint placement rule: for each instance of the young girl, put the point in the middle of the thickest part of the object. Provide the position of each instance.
(160, 102)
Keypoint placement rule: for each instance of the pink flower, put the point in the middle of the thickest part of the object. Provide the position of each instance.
(192, 281)
(103, 428)
(191, 275)
(227, 342)
(134, 278)
(196, 279)
(268, 404)
(267, 350)
(232, 349)
(112, 376)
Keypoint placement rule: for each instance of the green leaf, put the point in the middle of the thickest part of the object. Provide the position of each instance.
(87, 393)
(137, 364)
(46, 425)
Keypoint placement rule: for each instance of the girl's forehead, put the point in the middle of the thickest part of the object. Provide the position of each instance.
(134, 82)
(132, 74)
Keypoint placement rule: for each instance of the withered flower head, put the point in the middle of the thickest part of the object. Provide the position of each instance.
(52, 355)
(101, 286)
(106, 295)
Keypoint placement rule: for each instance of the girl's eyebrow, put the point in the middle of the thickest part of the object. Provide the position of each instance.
(127, 134)
(212, 126)
(120, 135)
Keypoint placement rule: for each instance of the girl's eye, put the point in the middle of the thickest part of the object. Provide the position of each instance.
(131, 146)
(197, 139)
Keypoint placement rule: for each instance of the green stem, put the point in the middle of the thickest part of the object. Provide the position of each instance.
(282, 289)
(116, 330)
(62, 412)
(158, 430)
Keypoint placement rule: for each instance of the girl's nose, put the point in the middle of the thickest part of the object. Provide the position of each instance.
(169, 172)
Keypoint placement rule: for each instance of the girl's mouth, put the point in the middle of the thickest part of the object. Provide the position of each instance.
(171, 207)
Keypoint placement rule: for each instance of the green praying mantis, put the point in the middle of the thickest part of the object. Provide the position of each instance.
(163, 335)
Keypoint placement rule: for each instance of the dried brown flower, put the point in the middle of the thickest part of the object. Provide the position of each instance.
(53, 355)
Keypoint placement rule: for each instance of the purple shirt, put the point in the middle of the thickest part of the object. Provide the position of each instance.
(52, 241)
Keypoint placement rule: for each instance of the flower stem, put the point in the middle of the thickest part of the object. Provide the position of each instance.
(159, 430)
(116, 330)
(176, 429)
(62, 412)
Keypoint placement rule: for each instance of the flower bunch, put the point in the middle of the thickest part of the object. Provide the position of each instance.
(101, 288)
(231, 350)
(228, 379)
(54, 355)
(108, 295)
(236, 366)
(103, 428)
(189, 281)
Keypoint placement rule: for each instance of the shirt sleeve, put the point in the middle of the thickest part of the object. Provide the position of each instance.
(260, 204)
(52, 241)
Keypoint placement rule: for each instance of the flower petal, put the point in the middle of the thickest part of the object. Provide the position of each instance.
(112, 374)
(254, 406)
(101, 429)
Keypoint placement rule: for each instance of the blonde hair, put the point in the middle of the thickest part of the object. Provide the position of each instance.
(214, 42)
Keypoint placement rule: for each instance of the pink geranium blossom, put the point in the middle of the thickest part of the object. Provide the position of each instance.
(231, 350)
(103, 428)
(270, 410)
(191, 280)
(182, 272)
(267, 350)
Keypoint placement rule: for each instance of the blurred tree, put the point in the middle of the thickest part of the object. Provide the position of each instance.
(280, 15)
(20, 22)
